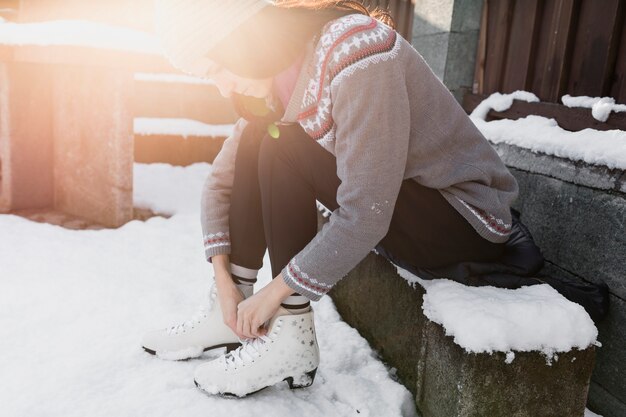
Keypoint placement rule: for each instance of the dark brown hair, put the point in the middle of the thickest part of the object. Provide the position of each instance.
(269, 42)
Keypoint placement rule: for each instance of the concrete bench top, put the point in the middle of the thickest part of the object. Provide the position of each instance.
(78, 33)
(78, 42)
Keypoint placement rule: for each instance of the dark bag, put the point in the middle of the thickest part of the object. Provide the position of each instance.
(521, 264)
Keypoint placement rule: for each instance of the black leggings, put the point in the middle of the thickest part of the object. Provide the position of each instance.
(272, 206)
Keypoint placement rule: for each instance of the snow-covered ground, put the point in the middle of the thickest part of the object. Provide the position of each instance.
(73, 306)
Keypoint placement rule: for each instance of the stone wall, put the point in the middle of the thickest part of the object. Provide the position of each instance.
(445, 33)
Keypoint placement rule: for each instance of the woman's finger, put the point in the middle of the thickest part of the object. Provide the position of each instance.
(246, 327)
(255, 329)
(240, 323)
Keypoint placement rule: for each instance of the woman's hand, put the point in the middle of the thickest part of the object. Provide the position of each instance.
(254, 311)
(230, 296)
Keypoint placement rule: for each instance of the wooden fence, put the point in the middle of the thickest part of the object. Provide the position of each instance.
(401, 11)
(553, 48)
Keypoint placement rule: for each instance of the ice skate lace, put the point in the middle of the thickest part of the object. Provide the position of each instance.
(197, 317)
(249, 350)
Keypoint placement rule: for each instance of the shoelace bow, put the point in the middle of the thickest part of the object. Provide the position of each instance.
(199, 314)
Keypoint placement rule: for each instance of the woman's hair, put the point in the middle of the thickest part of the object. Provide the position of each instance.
(269, 42)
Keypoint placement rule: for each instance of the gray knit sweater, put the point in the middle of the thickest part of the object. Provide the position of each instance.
(368, 97)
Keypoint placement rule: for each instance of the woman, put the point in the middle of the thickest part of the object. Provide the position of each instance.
(355, 119)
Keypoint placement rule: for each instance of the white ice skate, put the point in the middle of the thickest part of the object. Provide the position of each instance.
(204, 331)
(287, 352)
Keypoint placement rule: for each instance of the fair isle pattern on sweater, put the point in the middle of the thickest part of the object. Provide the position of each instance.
(347, 44)
(495, 225)
(213, 240)
(304, 281)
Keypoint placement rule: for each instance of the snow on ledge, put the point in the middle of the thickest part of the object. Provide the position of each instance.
(542, 134)
(171, 78)
(501, 102)
(78, 33)
(601, 107)
(489, 319)
(145, 126)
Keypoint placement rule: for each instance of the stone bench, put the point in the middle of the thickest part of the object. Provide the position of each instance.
(67, 106)
(69, 96)
(445, 379)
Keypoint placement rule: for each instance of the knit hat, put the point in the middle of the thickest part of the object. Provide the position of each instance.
(188, 29)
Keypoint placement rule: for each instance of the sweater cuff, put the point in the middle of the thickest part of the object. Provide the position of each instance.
(216, 244)
(302, 283)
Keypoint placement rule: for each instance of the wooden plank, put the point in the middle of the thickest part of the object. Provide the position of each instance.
(618, 87)
(572, 119)
(557, 32)
(593, 58)
(498, 24)
(398, 16)
(481, 52)
(522, 43)
(409, 14)
(6, 53)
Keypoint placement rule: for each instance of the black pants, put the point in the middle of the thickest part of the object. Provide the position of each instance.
(273, 206)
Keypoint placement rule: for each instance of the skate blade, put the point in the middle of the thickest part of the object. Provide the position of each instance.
(229, 347)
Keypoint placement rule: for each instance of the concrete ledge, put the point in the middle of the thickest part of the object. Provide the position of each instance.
(575, 172)
(445, 379)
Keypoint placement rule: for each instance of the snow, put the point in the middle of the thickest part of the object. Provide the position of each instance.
(79, 33)
(542, 134)
(171, 78)
(489, 319)
(145, 126)
(74, 305)
(601, 107)
(501, 102)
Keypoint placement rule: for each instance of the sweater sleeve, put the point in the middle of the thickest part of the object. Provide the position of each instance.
(215, 198)
(371, 114)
